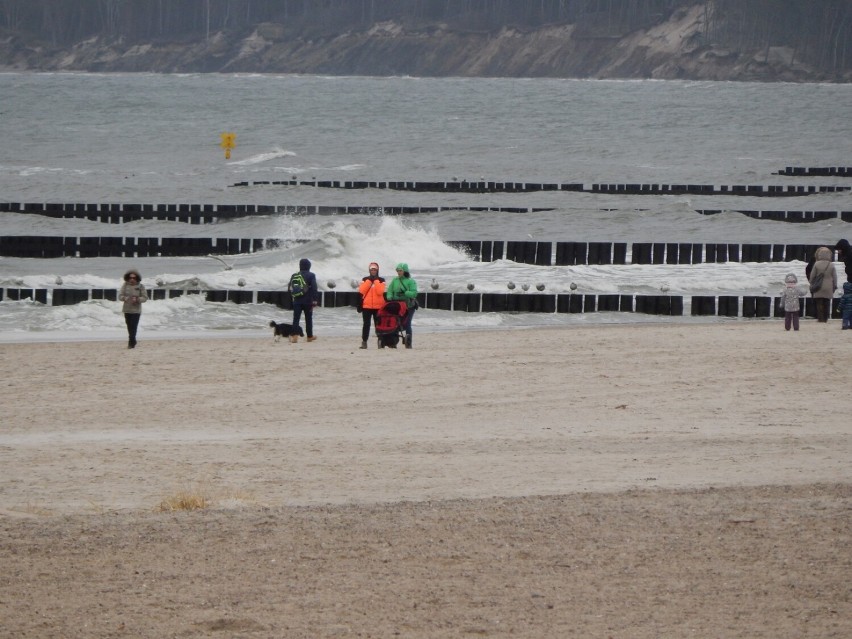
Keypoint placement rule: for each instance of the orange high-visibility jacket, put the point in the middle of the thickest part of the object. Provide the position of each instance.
(372, 292)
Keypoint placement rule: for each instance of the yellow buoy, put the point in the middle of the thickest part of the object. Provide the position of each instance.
(229, 141)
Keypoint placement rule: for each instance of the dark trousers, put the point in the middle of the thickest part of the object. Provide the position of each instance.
(369, 315)
(791, 318)
(406, 321)
(132, 321)
(822, 307)
(309, 317)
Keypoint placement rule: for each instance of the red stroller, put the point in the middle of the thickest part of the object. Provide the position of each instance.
(389, 324)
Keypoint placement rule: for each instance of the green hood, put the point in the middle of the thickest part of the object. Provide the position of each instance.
(402, 266)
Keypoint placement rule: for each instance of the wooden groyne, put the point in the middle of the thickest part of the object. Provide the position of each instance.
(213, 213)
(786, 216)
(789, 190)
(745, 306)
(523, 252)
(816, 171)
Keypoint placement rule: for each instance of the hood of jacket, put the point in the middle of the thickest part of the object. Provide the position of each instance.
(843, 246)
(304, 264)
(402, 266)
(791, 278)
(133, 271)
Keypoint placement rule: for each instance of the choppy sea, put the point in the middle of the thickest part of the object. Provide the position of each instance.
(154, 139)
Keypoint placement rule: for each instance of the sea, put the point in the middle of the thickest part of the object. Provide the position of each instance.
(155, 139)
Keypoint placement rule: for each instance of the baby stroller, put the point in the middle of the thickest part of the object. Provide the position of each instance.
(389, 328)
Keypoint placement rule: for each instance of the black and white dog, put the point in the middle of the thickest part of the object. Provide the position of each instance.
(284, 330)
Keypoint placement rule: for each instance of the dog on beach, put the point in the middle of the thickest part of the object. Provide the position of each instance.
(284, 330)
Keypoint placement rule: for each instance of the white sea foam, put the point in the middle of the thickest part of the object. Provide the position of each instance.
(263, 157)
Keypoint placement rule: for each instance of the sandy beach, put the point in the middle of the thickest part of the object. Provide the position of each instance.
(618, 481)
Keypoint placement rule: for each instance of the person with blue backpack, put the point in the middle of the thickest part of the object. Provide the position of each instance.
(305, 295)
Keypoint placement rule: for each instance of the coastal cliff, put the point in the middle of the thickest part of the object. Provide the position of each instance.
(674, 46)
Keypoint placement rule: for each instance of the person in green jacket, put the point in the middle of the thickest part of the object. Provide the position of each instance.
(403, 288)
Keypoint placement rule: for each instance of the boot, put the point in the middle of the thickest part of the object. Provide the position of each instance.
(363, 344)
(312, 338)
(294, 339)
(408, 341)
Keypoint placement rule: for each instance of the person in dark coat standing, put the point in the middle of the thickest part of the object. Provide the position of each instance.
(304, 301)
(844, 254)
(845, 306)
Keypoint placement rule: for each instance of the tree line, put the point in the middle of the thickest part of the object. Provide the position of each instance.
(818, 31)
(67, 21)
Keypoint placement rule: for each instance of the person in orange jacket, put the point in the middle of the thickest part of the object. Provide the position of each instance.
(372, 290)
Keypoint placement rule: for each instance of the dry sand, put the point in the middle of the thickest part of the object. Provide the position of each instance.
(626, 481)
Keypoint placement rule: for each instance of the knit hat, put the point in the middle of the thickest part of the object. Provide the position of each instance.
(791, 278)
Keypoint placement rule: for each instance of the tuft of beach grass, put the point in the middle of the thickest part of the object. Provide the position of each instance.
(184, 500)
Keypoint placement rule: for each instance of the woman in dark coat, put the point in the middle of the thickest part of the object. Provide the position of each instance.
(844, 254)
